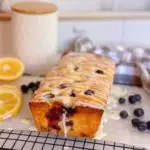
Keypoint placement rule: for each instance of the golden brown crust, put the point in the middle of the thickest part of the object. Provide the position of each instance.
(34, 7)
(39, 110)
(85, 120)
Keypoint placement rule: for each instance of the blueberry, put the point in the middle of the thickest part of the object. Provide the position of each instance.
(148, 125)
(138, 97)
(135, 98)
(34, 89)
(76, 68)
(138, 112)
(124, 114)
(89, 92)
(37, 84)
(24, 89)
(62, 86)
(132, 99)
(31, 85)
(142, 126)
(122, 100)
(135, 122)
(69, 123)
(70, 111)
(54, 115)
(99, 71)
(48, 96)
(73, 94)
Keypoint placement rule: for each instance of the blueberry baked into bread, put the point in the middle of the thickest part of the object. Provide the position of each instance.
(73, 95)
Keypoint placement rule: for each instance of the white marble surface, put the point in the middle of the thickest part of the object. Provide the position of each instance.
(122, 130)
(116, 130)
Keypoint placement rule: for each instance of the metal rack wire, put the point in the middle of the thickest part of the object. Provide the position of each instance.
(32, 140)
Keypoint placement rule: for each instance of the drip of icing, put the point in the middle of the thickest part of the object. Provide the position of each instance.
(109, 113)
(64, 124)
(55, 91)
(105, 119)
(66, 100)
(101, 136)
(100, 133)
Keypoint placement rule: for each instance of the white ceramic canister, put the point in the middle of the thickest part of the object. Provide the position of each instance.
(34, 35)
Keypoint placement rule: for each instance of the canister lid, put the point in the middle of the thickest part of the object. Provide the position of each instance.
(34, 7)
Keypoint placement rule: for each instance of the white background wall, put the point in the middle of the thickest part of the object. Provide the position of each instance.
(96, 5)
(132, 32)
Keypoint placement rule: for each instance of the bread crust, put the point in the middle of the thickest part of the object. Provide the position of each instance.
(85, 121)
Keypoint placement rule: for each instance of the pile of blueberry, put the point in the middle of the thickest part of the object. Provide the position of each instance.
(138, 112)
(33, 86)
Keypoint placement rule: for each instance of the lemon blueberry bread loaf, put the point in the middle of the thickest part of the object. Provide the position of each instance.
(73, 95)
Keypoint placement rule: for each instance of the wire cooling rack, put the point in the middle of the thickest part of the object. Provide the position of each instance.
(32, 140)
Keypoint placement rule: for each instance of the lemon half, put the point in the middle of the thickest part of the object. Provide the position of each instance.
(10, 68)
(10, 101)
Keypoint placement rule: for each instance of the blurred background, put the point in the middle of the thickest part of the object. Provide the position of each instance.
(104, 21)
(110, 25)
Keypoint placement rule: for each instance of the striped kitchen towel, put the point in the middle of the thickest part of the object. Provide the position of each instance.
(126, 69)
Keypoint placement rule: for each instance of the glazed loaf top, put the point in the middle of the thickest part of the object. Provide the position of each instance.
(79, 79)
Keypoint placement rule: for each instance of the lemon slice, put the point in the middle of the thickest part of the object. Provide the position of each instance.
(10, 101)
(12, 88)
(10, 68)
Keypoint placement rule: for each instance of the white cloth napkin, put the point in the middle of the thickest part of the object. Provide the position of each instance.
(144, 73)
